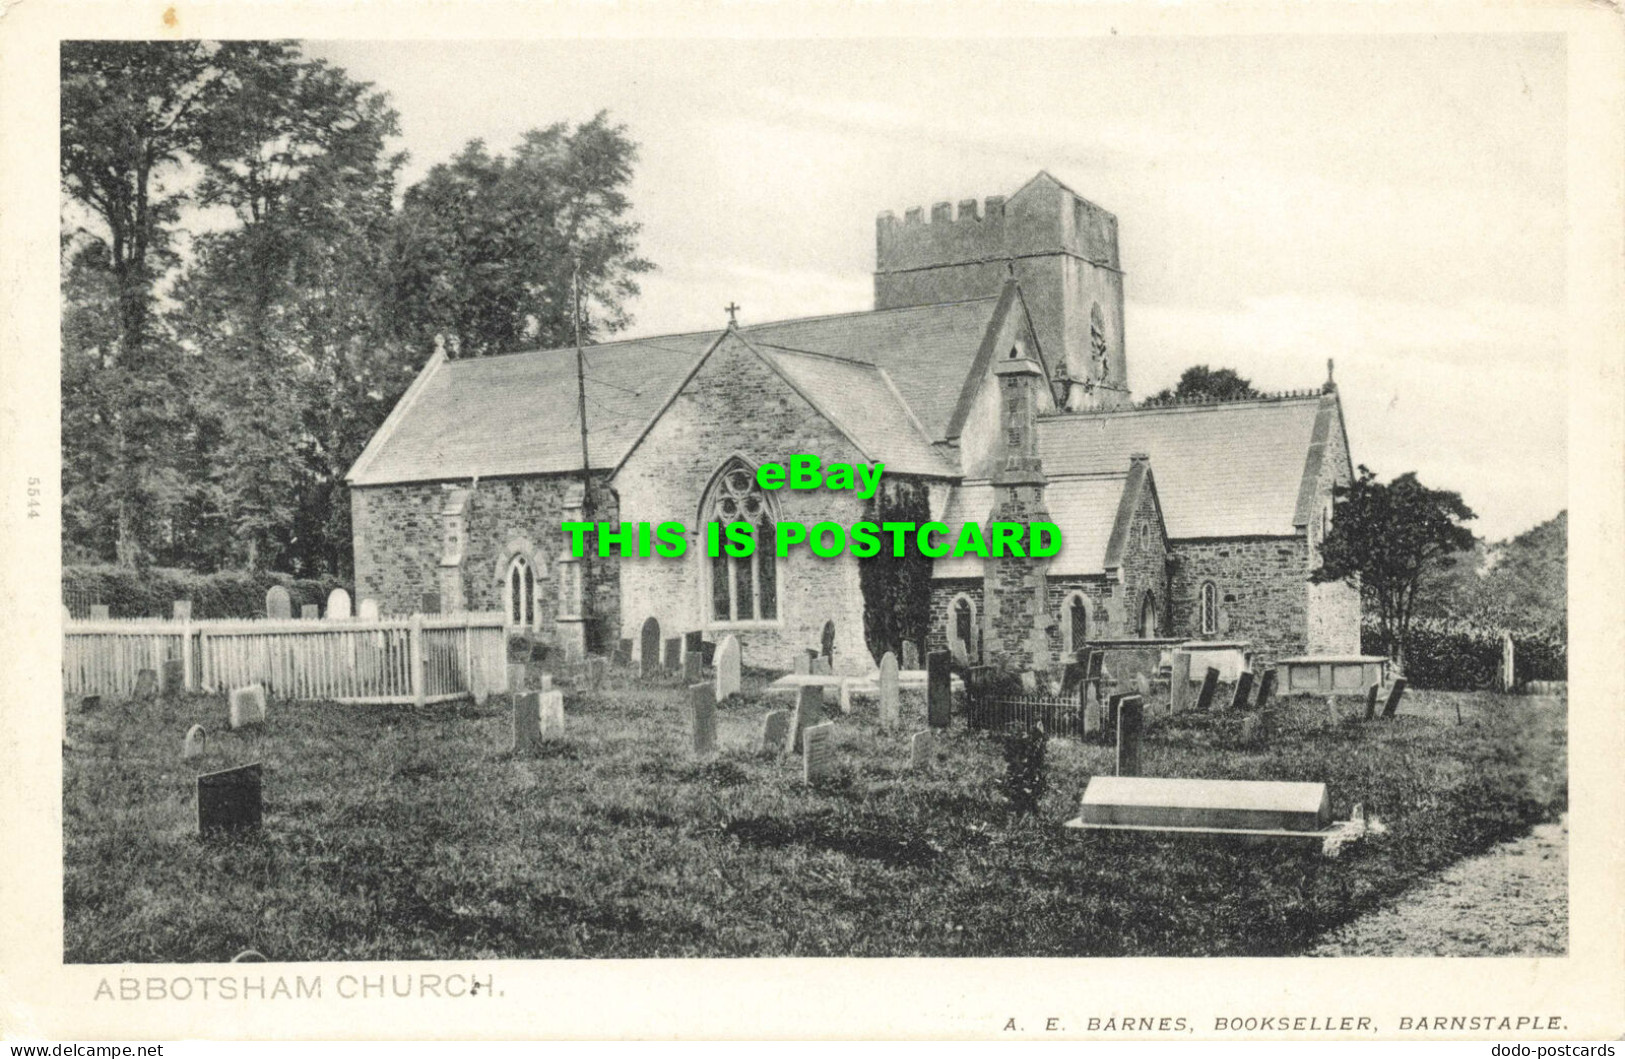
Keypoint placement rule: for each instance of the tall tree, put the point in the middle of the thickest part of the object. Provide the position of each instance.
(1202, 382)
(131, 114)
(1384, 538)
(485, 244)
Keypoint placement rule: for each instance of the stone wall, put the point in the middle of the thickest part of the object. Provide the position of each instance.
(943, 593)
(1262, 586)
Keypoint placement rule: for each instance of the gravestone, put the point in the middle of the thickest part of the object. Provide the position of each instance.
(818, 754)
(809, 711)
(921, 749)
(649, 648)
(708, 652)
(99, 612)
(278, 604)
(1509, 673)
(229, 800)
(1266, 690)
(1244, 687)
(727, 679)
(527, 720)
(1179, 683)
(1072, 678)
(911, 655)
(890, 696)
(938, 690)
(429, 603)
(672, 659)
(702, 707)
(1371, 694)
(1110, 717)
(1391, 707)
(338, 604)
(776, 730)
(1130, 720)
(1250, 727)
(1029, 682)
(550, 711)
(368, 610)
(1332, 714)
(181, 610)
(692, 642)
(691, 664)
(90, 702)
(518, 677)
(811, 654)
(1093, 715)
(146, 685)
(623, 652)
(596, 669)
(247, 706)
(1142, 684)
(821, 666)
(547, 682)
(803, 663)
(309, 612)
(1210, 683)
(174, 675)
(197, 742)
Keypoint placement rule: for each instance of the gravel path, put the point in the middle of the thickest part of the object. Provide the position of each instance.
(1512, 901)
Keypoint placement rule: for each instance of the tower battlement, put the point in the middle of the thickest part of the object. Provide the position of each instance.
(1044, 217)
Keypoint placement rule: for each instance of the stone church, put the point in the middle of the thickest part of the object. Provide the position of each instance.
(990, 378)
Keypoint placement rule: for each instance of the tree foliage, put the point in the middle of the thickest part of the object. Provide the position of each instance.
(486, 244)
(1202, 382)
(1384, 537)
(896, 589)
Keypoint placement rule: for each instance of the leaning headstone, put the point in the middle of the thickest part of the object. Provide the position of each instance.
(1371, 694)
(229, 800)
(1130, 719)
(775, 730)
(1250, 728)
(527, 720)
(197, 742)
(1266, 690)
(911, 655)
(809, 711)
(921, 749)
(278, 604)
(146, 685)
(309, 612)
(99, 612)
(672, 659)
(518, 677)
(338, 604)
(550, 711)
(803, 663)
(1093, 714)
(818, 754)
(702, 709)
(727, 678)
(174, 676)
(649, 648)
(247, 706)
(890, 697)
(623, 652)
(1072, 679)
(181, 610)
(938, 689)
(368, 611)
(821, 667)
(1391, 707)
(1210, 683)
(1179, 683)
(1244, 687)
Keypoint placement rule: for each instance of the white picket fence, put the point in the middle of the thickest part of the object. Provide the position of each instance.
(421, 659)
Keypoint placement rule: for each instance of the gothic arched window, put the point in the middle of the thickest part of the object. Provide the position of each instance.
(962, 640)
(747, 588)
(1210, 607)
(1075, 624)
(1148, 616)
(519, 593)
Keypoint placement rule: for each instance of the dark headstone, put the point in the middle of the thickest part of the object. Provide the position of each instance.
(818, 754)
(1179, 683)
(174, 675)
(1130, 720)
(309, 612)
(776, 731)
(702, 705)
(1097, 665)
(90, 702)
(691, 666)
(1371, 694)
(229, 800)
(708, 652)
(1112, 703)
(527, 720)
(1244, 687)
(146, 685)
(672, 660)
(938, 689)
(1391, 707)
(1210, 683)
(596, 668)
(1266, 690)
(623, 652)
(1072, 678)
(649, 648)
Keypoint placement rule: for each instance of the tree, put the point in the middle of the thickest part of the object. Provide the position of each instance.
(896, 589)
(130, 117)
(1202, 382)
(486, 245)
(1384, 538)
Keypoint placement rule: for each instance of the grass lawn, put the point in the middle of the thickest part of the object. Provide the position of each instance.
(399, 834)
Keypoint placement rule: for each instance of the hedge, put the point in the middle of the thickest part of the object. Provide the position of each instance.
(1458, 656)
(151, 591)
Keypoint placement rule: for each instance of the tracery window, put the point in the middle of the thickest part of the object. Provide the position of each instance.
(519, 593)
(747, 588)
(1075, 623)
(1210, 607)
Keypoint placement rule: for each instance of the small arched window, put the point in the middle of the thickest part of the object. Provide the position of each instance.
(961, 631)
(744, 588)
(519, 593)
(1074, 624)
(1209, 607)
(1148, 616)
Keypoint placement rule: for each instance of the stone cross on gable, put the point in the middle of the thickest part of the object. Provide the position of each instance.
(733, 314)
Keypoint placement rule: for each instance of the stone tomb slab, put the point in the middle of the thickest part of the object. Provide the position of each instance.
(1255, 807)
(247, 706)
(818, 754)
(229, 801)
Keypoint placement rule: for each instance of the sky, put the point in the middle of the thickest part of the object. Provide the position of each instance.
(1396, 203)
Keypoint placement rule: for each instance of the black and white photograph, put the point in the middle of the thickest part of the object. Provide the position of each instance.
(529, 501)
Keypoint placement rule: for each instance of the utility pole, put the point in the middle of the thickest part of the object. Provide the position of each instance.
(581, 393)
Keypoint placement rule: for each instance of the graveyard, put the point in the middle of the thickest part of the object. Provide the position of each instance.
(643, 823)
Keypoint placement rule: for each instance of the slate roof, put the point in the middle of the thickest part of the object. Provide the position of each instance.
(516, 414)
(1085, 507)
(1233, 469)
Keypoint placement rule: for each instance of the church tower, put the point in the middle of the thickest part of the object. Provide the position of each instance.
(1058, 245)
